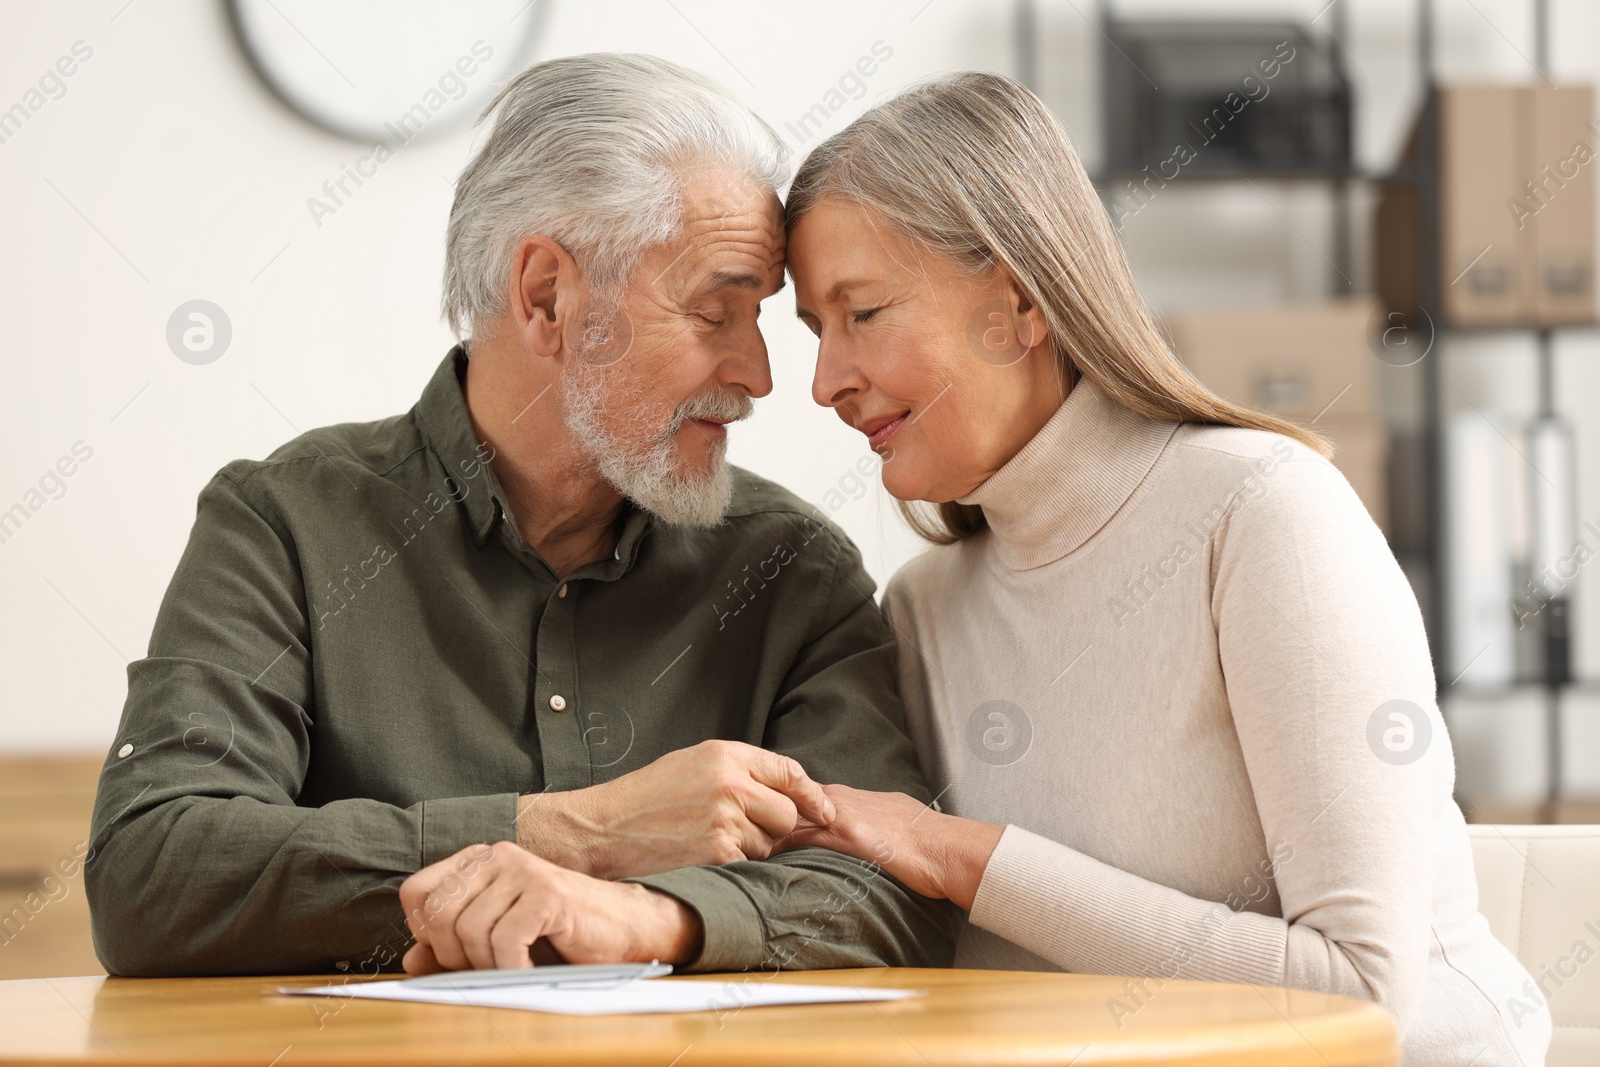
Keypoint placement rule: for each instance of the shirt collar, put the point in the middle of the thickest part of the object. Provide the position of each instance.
(1070, 478)
(446, 426)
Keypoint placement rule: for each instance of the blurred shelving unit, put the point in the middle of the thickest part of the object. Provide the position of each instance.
(1306, 136)
(1554, 677)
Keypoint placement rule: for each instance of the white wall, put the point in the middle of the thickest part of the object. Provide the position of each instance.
(168, 173)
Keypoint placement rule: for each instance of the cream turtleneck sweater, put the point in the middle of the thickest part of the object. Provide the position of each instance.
(1168, 668)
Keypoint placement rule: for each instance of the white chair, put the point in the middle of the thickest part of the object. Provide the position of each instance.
(1539, 887)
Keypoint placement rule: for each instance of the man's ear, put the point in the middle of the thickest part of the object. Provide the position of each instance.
(544, 280)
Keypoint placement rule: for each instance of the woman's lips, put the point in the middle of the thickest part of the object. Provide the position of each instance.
(879, 437)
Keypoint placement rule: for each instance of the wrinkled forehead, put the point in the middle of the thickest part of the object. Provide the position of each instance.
(732, 226)
(725, 198)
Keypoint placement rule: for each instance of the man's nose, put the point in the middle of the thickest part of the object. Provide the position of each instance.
(747, 365)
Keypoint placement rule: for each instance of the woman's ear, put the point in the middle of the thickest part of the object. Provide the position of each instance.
(1032, 329)
(542, 284)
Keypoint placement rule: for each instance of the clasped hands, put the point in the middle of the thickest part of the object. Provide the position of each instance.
(553, 896)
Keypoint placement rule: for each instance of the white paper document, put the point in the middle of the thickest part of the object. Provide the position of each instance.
(631, 998)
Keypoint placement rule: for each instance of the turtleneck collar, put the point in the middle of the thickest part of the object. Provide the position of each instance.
(1067, 482)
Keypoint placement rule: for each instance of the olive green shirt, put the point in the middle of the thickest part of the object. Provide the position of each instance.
(360, 665)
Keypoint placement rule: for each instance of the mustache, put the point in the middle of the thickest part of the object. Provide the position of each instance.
(720, 405)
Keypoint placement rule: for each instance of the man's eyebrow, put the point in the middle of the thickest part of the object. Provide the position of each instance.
(736, 279)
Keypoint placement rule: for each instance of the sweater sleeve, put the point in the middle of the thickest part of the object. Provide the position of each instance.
(1321, 643)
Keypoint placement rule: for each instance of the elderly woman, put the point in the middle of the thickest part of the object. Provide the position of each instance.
(1162, 669)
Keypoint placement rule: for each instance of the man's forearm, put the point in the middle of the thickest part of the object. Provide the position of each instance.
(204, 885)
(810, 909)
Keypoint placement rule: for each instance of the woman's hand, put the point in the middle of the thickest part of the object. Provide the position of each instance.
(930, 853)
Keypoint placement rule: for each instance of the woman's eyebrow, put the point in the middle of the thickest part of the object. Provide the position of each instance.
(839, 289)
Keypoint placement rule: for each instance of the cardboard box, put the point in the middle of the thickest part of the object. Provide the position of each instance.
(1482, 279)
(1559, 186)
(1304, 361)
(1297, 360)
(1397, 246)
(1361, 452)
(1490, 218)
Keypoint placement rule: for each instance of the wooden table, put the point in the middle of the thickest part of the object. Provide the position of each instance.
(45, 803)
(968, 1017)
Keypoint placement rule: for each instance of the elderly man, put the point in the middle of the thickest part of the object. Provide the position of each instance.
(527, 673)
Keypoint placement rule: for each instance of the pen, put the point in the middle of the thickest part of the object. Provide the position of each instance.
(555, 976)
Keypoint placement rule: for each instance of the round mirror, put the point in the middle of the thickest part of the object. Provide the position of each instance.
(388, 70)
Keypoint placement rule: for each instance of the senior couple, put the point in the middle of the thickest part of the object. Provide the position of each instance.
(529, 674)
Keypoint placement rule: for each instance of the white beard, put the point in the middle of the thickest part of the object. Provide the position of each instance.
(612, 418)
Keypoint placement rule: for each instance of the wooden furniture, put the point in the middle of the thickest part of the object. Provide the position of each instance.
(968, 1017)
(45, 803)
(1567, 811)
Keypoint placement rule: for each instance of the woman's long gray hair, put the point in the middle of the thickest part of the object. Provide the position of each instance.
(973, 167)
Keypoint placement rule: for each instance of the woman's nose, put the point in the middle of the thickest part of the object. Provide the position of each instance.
(837, 375)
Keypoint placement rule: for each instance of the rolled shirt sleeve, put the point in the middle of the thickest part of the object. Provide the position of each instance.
(202, 861)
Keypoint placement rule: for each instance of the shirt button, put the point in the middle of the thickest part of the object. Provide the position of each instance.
(125, 751)
(558, 703)
(562, 592)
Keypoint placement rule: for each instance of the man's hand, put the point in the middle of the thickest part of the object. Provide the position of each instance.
(715, 803)
(501, 906)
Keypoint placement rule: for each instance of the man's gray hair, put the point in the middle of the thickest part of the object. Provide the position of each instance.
(590, 151)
